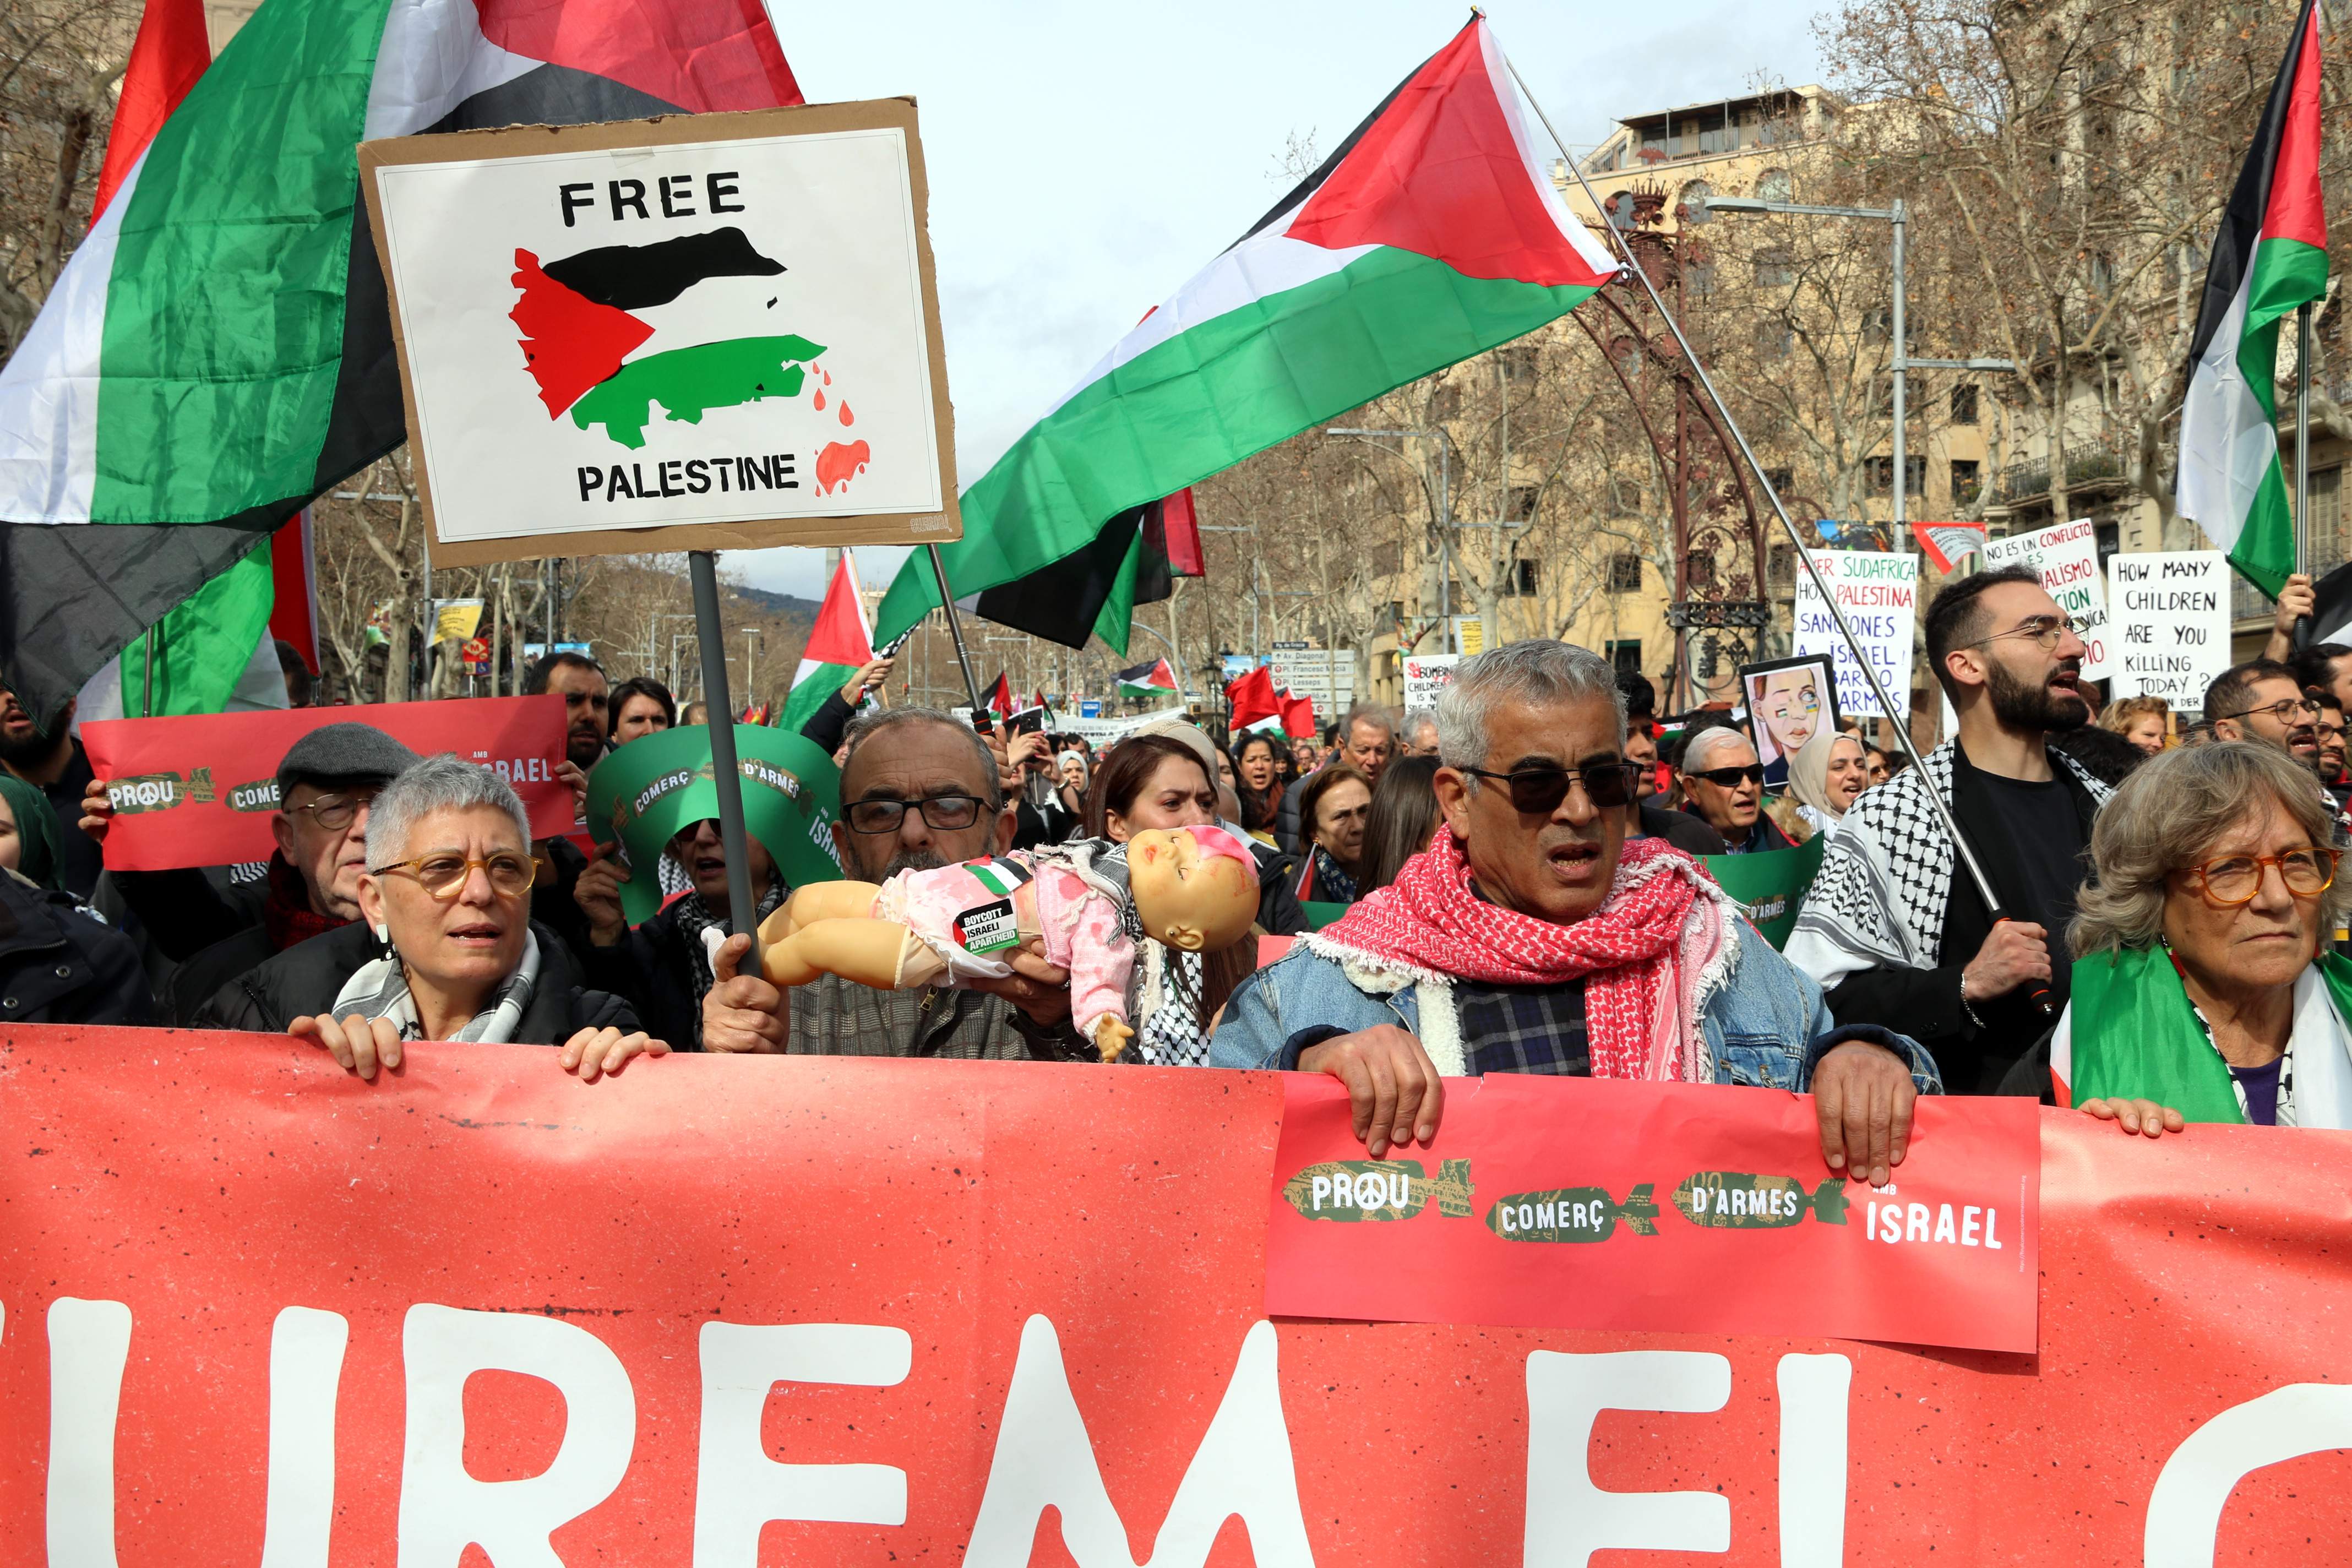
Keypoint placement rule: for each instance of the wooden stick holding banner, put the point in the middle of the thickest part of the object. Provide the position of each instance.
(1902, 727)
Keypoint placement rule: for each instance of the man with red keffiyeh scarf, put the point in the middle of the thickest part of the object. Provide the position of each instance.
(1530, 937)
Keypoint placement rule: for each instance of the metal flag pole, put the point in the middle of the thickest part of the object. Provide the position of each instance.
(955, 634)
(741, 901)
(1804, 557)
(2301, 457)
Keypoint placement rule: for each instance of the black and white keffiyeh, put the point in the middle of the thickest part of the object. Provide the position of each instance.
(379, 989)
(1885, 878)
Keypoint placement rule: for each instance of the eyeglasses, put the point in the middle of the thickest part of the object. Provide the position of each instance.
(2278, 709)
(444, 876)
(947, 812)
(2235, 879)
(2044, 629)
(1731, 778)
(335, 812)
(1542, 789)
(2328, 732)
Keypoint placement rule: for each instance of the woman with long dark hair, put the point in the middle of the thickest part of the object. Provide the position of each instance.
(1403, 821)
(1257, 768)
(1156, 781)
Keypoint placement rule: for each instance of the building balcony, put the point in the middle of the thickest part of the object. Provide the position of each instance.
(2100, 461)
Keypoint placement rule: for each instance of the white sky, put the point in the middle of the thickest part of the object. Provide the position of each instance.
(1085, 159)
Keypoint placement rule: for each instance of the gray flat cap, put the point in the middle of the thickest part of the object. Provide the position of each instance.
(342, 753)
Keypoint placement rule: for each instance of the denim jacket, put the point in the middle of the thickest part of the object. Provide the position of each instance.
(1766, 1026)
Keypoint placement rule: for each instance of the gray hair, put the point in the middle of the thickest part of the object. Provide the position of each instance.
(1712, 737)
(1538, 670)
(443, 783)
(2169, 814)
(1367, 714)
(1417, 720)
(889, 718)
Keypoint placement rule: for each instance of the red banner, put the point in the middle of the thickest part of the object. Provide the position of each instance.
(1675, 1207)
(721, 1312)
(202, 791)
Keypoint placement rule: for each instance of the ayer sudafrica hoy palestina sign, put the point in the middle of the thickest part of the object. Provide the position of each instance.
(721, 327)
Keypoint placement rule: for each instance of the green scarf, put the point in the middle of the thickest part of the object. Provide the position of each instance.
(2134, 1035)
(36, 826)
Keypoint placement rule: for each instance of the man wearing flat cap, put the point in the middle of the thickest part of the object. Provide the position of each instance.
(325, 783)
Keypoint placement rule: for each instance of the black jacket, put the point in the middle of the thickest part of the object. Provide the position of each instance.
(1285, 818)
(652, 969)
(61, 965)
(1691, 834)
(828, 725)
(1278, 911)
(305, 978)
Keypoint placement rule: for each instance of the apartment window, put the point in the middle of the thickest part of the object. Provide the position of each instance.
(1964, 404)
(2329, 545)
(1626, 655)
(1775, 339)
(1781, 566)
(1518, 362)
(1521, 582)
(1968, 480)
(1444, 401)
(1523, 503)
(1775, 267)
(1774, 185)
(1624, 572)
(1879, 472)
(1698, 279)
(1780, 480)
(1625, 500)
(1692, 207)
(1878, 324)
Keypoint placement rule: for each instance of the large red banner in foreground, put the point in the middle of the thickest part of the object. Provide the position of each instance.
(736, 1311)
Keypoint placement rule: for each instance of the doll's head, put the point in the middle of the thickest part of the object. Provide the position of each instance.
(1195, 888)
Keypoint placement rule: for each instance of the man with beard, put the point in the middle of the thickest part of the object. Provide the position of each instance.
(920, 790)
(52, 762)
(587, 722)
(1894, 927)
(2264, 700)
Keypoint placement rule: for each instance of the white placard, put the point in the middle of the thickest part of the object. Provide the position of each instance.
(2171, 624)
(1879, 594)
(1426, 675)
(2067, 557)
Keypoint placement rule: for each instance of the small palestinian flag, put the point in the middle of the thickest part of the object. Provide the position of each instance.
(839, 644)
(219, 350)
(2270, 256)
(1153, 679)
(1000, 696)
(1947, 545)
(1434, 233)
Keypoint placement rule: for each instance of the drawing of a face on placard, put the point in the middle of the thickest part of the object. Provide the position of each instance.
(1788, 703)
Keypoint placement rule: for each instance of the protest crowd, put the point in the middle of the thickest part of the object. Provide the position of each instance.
(1518, 881)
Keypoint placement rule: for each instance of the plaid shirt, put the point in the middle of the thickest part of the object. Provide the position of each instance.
(1524, 1029)
(833, 1016)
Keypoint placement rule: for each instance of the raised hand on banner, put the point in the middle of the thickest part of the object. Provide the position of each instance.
(2016, 953)
(1862, 1095)
(2140, 1116)
(598, 894)
(1393, 1094)
(359, 1045)
(97, 811)
(743, 1012)
(2295, 601)
(607, 1051)
(870, 676)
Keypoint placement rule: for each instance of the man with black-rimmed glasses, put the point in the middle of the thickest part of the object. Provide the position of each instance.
(919, 789)
(1893, 928)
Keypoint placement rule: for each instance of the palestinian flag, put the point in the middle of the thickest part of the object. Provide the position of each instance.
(1430, 235)
(2270, 256)
(1000, 696)
(1947, 545)
(1135, 560)
(218, 351)
(839, 644)
(1153, 679)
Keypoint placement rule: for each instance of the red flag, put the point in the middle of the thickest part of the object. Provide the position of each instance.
(294, 613)
(1180, 535)
(1297, 717)
(170, 53)
(1252, 699)
(840, 635)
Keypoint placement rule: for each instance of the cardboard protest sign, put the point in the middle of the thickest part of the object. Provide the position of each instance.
(1675, 1207)
(202, 790)
(1426, 675)
(869, 1312)
(2067, 557)
(1879, 595)
(1771, 885)
(2169, 612)
(688, 333)
(644, 794)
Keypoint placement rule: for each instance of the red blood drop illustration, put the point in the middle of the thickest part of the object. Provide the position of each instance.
(838, 464)
(846, 416)
(820, 402)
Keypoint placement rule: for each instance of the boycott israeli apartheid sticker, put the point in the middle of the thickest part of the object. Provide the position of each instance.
(721, 327)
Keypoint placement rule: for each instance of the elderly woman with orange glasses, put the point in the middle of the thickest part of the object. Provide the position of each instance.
(444, 948)
(2202, 987)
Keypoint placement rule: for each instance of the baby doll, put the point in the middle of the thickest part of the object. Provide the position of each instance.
(1083, 906)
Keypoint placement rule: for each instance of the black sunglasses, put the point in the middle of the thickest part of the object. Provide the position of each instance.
(1731, 778)
(1542, 789)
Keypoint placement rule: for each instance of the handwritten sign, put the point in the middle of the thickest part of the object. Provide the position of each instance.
(1879, 595)
(1426, 675)
(2067, 557)
(2171, 623)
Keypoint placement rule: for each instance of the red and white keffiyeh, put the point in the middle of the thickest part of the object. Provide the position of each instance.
(1649, 955)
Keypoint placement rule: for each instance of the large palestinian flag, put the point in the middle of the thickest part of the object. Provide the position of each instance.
(218, 351)
(2270, 256)
(1430, 235)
